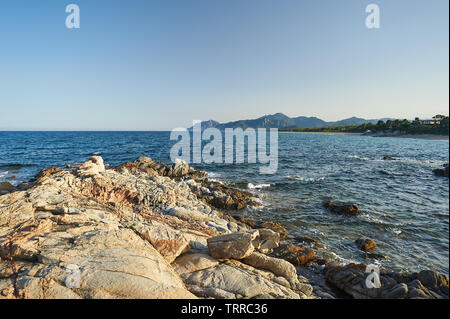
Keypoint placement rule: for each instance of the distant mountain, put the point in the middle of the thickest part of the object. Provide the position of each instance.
(281, 121)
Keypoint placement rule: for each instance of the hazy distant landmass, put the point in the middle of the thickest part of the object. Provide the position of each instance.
(282, 121)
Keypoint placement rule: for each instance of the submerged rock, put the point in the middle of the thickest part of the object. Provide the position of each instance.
(366, 244)
(389, 158)
(6, 187)
(345, 210)
(442, 171)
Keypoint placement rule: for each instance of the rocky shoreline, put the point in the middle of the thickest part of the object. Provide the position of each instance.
(145, 229)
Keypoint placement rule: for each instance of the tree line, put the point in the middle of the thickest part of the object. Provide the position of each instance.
(390, 126)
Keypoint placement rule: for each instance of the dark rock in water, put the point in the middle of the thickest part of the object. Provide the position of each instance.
(299, 256)
(6, 187)
(352, 280)
(442, 171)
(366, 244)
(389, 158)
(346, 210)
(309, 240)
(275, 226)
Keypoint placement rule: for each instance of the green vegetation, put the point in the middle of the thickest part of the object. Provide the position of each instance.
(439, 127)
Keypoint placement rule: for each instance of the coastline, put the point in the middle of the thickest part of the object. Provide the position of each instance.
(431, 137)
(184, 230)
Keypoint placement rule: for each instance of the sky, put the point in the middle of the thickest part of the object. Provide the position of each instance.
(160, 64)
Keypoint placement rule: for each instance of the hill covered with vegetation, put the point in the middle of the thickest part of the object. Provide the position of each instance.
(401, 127)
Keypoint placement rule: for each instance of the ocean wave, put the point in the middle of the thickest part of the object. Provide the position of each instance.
(305, 179)
(362, 158)
(258, 186)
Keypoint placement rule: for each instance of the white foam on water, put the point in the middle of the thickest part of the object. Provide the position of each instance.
(210, 174)
(361, 158)
(305, 179)
(258, 186)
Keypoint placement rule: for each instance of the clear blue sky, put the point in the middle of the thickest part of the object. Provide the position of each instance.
(159, 64)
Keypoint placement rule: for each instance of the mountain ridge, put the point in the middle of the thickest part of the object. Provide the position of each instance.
(282, 121)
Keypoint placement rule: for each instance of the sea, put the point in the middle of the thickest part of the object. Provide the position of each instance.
(405, 207)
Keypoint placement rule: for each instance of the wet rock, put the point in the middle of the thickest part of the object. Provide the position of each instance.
(375, 256)
(345, 210)
(234, 245)
(352, 280)
(275, 226)
(298, 256)
(389, 158)
(442, 171)
(6, 187)
(366, 244)
(313, 242)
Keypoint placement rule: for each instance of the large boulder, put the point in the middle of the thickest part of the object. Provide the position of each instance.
(299, 256)
(278, 266)
(235, 245)
(236, 280)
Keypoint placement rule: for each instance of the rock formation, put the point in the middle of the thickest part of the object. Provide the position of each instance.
(146, 229)
(133, 231)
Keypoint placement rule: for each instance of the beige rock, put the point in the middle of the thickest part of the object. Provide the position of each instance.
(234, 245)
(238, 281)
(279, 267)
(191, 262)
(93, 166)
(268, 240)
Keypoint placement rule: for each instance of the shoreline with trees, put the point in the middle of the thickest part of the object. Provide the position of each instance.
(436, 128)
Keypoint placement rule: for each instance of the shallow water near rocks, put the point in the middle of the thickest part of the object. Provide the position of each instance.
(405, 206)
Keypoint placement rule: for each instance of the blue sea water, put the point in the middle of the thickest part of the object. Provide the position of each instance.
(405, 206)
